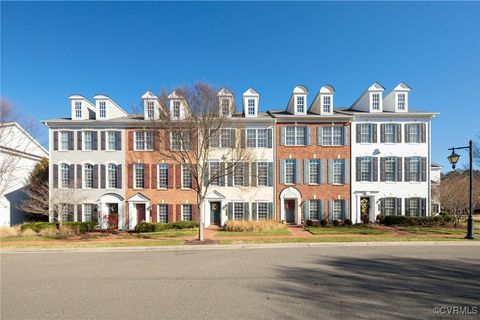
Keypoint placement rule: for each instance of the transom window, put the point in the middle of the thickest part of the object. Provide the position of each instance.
(186, 177)
(295, 136)
(139, 176)
(262, 210)
(187, 212)
(162, 213)
(88, 212)
(389, 206)
(162, 180)
(290, 171)
(176, 109)
(314, 170)
(144, 140)
(238, 174)
(112, 140)
(338, 209)
(64, 135)
(103, 109)
(88, 176)
(64, 175)
(401, 101)
(181, 141)
(150, 109)
(338, 171)
(365, 133)
(414, 169)
(366, 169)
(88, 140)
(390, 169)
(78, 109)
(214, 171)
(332, 136)
(327, 103)
(390, 133)
(262, 174)
(251, 106)
(414, 133)
(314, 210)
(112, 176)
(238, 210)
(225, 107)
(301, 104)
(375, 101)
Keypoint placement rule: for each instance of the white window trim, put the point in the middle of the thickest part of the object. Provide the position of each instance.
(116, 176)
(107, 144)
(144, 132)
(380, 102)
(135, 176)
(100, 103)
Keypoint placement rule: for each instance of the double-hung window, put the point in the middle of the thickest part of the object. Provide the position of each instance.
(301, 104)
(150, 109)
(365, 133)
(64, 135)
(162, 176)
(262, 174)
(238, 174)
(186, 177)
(214, 139)
(338, 171)
(366, 169)
(78, 109)
(238, 210)
(262, 138)
(375, 101)
(338, 209)
(251, 138)
(251, 107)
(289, 171)
(139, 176)
(176, 109)
(401, 101)
(414, 168)
(181, 141)
(226, 138)
(390, 133)
(112, 176)
(162, 213)
(112, 140)
(327, 103)
(314, 209)
(64, 175)
(187, 212)
(332, 136)
(88, 212)
(390, 169)
(88, 176)
(295, 136)
(314, 169)
(88, 140)
(225, 107)
(144, 140)
(414, 207)
(389, 206)
(103, 109)
(214, 171)
(262, 210)
(413, 133)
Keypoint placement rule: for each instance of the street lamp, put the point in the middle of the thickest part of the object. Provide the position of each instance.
(453, 159)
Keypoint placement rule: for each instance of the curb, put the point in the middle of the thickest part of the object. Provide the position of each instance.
(247, 246)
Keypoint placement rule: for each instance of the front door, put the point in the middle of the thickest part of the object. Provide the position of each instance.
(290, 211)
(140, 212)
(215, 213)
(112, 215)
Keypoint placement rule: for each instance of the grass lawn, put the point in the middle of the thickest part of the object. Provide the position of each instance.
(346, 230)
(165, 234)
(281, 232)
(117, 243)
(433, 230)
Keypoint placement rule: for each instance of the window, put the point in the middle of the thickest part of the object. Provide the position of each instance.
(257, 138)
(144, 140)
(390, 133)
(225, 107)
(414, 169)
(314, 210)
(238, 210)
(88, 140)
(376, 101)
(176, 109)
(64, 135)
(251, 138)
(390, 169)
(332, 136)
(414, 207)
(88, 176)
(301, 104)
(162, 213)
(262, 210)
(139, 176)
(401, 101)
(186, 177)
(64, 175)
(262, 174)
(435, 208)
(365, 133)
(314, 170)
(413, 133)
(78, 109)
(327, 103)
(88, 212)
(214, 171)
(181, 141)
(225, 138)
(338, 170)
(251, 107)
(366, 169)
(103, 109)
(337, 210)
(389, 206)
(112, 176)
(150, 109)
(290, 171)
(162, 176)
(238, 174)
(112, 138)
(214, 140)
(187, 212)
(295, 136)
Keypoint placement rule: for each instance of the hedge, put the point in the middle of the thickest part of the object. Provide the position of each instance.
(406, 221)
(37, 226)
(152, 227)
(81, 227)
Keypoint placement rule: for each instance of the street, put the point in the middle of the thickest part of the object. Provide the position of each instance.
(347, 282)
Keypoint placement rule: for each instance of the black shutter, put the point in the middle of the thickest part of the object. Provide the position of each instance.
(423, 207)
(95, 140)
(382, 133)
(382, 205)
(102, 140)
(95, 176)
(246, 180)
(358, 169)
(119, 176)
(71, 209)
(407, 170)
(70, 140)
(423, 165)
(269, 136)
(102, 176)
(398, 206)
(55, 140)
(407, 207)
(398, 168)
(79, 176)
(71, 175)
(399, 133)
(242, 138)
(79, 212)
(374, 132)
(95, 214)
(359, 132)
(253, 182)
(55, 176)
(119, 140)
(375, 169)
(79, 140)
(382, 169)
(407, 133)
(423, 131)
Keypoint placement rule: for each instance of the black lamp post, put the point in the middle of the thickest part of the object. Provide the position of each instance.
(453, 159)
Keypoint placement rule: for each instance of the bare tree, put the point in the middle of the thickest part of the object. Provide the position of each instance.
(63, 203)
(185, 137)
(36, 190)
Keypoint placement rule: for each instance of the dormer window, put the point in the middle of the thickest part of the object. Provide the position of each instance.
(176, 109)
(150, 108)
(327, 104)
(301, 104)
(401, 101)
(376, 101)
(225, 107)
(102, 109)
(251, 107)
(78, 109)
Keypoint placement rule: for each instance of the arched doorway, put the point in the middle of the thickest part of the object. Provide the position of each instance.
(290, 201)
(111, 211)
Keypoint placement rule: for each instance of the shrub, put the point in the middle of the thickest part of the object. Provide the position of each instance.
(156, 227)
(381, 217)
(37, 226)
(253, 226)
(29, 232)
(406, 221)
(9, 231)
(184, 224)
(81, 227)
(145, 227)
(309, 223)
(347, 222)
(48, 232)
(336, 223)
(446, 217)
(323, 222)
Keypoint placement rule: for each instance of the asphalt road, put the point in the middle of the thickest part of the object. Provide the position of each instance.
(285, 283)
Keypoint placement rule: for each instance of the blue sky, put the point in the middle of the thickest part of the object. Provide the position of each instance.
(52, 50)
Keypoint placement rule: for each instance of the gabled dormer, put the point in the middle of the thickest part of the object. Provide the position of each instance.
(178, 107)
(151, 106)
(226, 103)
(250, 100)
(371, 100)
(323, 102)
(107, 109)
(397, 99)
(81, 108)
(297, 104)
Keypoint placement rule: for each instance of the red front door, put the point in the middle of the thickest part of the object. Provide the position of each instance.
(140, 212)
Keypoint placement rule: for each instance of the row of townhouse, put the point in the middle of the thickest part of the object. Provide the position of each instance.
(307, 163)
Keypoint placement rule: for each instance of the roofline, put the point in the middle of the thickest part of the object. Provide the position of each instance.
(25, 132)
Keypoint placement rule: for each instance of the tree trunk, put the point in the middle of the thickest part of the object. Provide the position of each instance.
(200, 219)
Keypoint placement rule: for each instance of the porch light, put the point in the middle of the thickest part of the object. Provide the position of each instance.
(453, 158)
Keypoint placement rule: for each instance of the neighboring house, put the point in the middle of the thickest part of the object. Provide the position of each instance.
(390, 154)
(313, 159)
(247, 191)
(19, 153)
(87, 161)
(435, 177)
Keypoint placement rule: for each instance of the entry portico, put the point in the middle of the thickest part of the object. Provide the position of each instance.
(290, 205)
(139, 209)
(214, 207)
